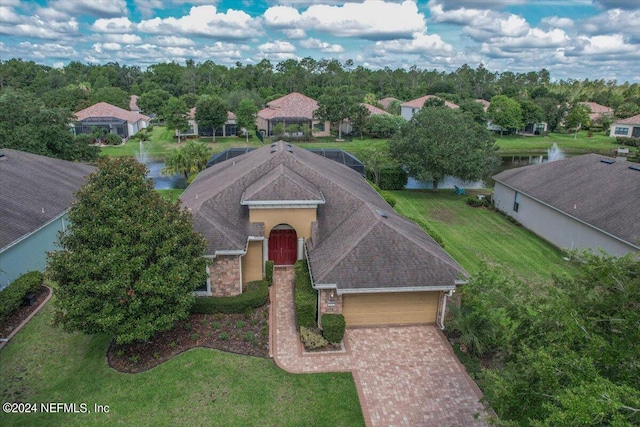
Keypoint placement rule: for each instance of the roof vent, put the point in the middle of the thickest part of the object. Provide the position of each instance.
(608, 161)
(635, 167)
(382, 213)
(289, 144)
(273, 151)
(274, 144)
(290, 150)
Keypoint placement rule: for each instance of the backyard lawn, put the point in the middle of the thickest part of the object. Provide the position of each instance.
(516, 144)
(476, 235)
(198, 387)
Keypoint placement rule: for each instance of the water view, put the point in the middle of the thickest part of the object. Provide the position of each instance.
(162, 182)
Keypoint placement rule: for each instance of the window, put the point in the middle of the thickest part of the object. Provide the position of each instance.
(621, 131)
(516, 202)
(318, 127)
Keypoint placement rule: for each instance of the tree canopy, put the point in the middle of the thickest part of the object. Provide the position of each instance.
(439, 141)
(129, 259)
(211, 112)
(175, 114)
(188, 160)
(335, 105)
(505, 112)
(246, 116)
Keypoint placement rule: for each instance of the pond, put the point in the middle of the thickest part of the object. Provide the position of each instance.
(163, 182)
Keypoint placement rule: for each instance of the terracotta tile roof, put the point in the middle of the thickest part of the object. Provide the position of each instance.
(603, 195)
(597, 110)
(133, 103)
(373, 110)
(352, 245)
(484, 102)
(35, 190)
(634, 120)
(419, 102)
(192, 114)
(103, 109)
(293, 105)
(386, 102)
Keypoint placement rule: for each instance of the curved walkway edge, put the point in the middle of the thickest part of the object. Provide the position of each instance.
(4, 341)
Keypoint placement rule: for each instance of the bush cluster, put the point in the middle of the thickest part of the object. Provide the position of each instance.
(631, 142)
(311, 339)
(255, 295)
(476, 202)
(268, 271)
(333, 326)
(435, 236)
(11, 297)
(112, 139)
(305, 296)
(391, 178)
(389, 198)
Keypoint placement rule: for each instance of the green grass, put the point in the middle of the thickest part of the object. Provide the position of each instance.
(172, 194)
(476, 235)
(515, 144)
(198, 387)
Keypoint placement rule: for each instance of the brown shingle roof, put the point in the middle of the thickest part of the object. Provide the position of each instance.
(484, 102)
(606, 196)
(282, 184)
(103, 109)
(133, 103)
(35, 190)
(419, 102)
(293, 105)
(352, 245)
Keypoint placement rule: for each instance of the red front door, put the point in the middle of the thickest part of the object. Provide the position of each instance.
(283, 247)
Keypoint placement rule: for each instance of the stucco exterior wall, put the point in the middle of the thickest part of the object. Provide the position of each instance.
(554, 226)
(252, 263)
(225, 276)
(300, 219)
(31, 253)
(408, 112)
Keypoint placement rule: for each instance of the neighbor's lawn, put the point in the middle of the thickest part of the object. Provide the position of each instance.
(172, 194)
(582, 144)
(473, 235)
(199, 387)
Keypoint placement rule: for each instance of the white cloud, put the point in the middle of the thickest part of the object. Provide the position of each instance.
(51, 13)
(122, 38)
(372, 19)
(613, 21)
(279, 46)
(295, 33)
(324, 47)
(147, 7)
(557, 22)
(204, 21)
(35, 27)
(609, 45)
(618, 4)
(47, 51)
(99, 8)
(113, 25)
(99, 47)
(8, 16)
(174, 41)
(426, 44)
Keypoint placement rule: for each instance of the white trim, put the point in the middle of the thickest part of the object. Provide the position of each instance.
(26, 236)
(568, 215)
(284, 204)
(230, 252)
(325, 286)
(206, 293)
(394, 290)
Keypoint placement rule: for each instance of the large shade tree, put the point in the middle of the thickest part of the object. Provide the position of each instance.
(438, 141)
(175, 115)
(335, 105)
(211, 112)
(246, 116)
(505, 112)
(129, 260)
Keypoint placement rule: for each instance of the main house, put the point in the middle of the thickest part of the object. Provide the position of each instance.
(626, 128)
(588, 201)
(293, 109)
(409, 108)
(113, 119)
(284, 203)
(230, 127)
(36, 193)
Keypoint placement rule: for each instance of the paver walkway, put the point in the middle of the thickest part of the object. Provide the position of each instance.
(405, 375)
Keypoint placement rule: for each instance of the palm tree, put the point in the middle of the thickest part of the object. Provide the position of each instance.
(190, 159)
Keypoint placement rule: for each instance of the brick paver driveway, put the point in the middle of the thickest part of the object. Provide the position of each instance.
(405, 375)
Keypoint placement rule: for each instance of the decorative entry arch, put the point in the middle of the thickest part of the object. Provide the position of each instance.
(283, 245)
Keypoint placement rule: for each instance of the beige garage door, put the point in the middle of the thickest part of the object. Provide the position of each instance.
(390, 309)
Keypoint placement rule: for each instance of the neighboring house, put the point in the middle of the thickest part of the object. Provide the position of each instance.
(284, 203)
(133, 103)
(588, 201)
(346, 125)
(409, 108)
(386, 103)
(484, 102)
(530, 128)
(35, 194)
(114, 119)
(626, 128)
(230, 127)
(597, 111)
(292, 109)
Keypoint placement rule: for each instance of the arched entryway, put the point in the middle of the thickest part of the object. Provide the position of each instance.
(283, 245)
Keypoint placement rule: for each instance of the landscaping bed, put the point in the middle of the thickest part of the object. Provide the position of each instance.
(13, 320)
(246, 334)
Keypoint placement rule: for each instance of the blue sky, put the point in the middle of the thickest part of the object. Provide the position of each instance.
(573, 39)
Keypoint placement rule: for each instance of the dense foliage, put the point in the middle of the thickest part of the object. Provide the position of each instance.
(440, 141)
(188, 160)
(333, 327)
(129, 260)
(564, 353)
(305, 296)
(11, 297)
(255, 295)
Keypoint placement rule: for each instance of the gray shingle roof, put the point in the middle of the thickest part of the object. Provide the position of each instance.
(34, 190)
(352, 245)
(282, 184)
(606, 196)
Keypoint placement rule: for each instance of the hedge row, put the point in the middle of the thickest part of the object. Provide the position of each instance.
(631, 142)
(255, 295)
(435, 236)
(333, 326)
(268, 271)
(306, 298)
(11, 297)
(391, 179)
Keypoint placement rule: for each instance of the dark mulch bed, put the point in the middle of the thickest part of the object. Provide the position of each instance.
(11, 322)
(237, 333)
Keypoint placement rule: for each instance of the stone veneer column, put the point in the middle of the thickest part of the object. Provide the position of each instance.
(225, 277)
(328, 304)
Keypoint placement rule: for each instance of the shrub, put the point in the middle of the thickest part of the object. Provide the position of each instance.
(255, 295)
(476, 202)
(11, 297)
(112, 139)
(389, 198)
(333, 326)
(311, 339)
(268, 272)
(631, 142)
(435, 236)
(391, 178)
(305, 296)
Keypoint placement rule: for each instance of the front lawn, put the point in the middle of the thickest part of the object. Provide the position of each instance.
(475, 235)
(198, 387)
